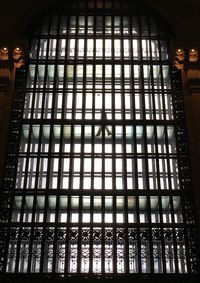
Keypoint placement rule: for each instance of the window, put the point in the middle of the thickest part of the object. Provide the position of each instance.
(98, 187)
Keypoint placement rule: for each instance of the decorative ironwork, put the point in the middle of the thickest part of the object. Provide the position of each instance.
(97, 180)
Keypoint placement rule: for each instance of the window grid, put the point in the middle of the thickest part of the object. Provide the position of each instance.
(98, 174)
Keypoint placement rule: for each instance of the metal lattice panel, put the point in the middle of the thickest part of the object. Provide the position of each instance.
(97, 179)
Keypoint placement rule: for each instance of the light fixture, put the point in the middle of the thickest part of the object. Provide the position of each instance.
(5, 49)
(179, 56)
(17, 49)
(193, 55)
(179, 50)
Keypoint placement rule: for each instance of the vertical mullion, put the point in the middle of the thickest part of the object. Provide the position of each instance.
(45, 91)
(39, 149)
(153, 90)
(159, 174)
(137, 201)
(31, 233)
(71, 161)
(132, 75)
(135, 157)
(123, 110)
(138, 234)
(174, 235)
(67, 243)
(62, 152)
(82, 156)
(151, 267)
(151, 71)
(125, 195)
(93, 104)
(160, 194)
(75, 78)
(65, 89)
(141, 95)
(72, 153)
(91, 242)
(92, 157)
(19, 236)
(124, 176)
(141, 76)
(74, 109)
(168, 179)
(36, 75)
(113, 110)
(146, 164)
(103, 117)
(93, 129)
(82, 159)
(39, 157)
(186, 238)
(45, 207)
(80, 240)
(173, 225)
(114, 160)
(162, 79)
(94, 71)
(113, 68)
(27, 157)
(43, 235)
(55, 241)
(103, 236)
(145, 156)
(30, 123)
(60, 158)
(115, 242)
(84, 68)
(81, 193)
(162, 234)
(49, 163)
(103, 253)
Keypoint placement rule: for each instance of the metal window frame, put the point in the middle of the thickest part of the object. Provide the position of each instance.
(72, 233)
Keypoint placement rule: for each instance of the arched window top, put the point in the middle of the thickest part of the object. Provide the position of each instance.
(148, 24)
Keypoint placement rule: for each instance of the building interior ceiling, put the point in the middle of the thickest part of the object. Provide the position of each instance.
(182, 16)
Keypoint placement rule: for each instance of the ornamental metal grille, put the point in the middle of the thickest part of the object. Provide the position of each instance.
(97, 179)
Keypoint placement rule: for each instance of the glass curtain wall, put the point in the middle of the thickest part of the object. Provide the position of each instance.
(97, 188)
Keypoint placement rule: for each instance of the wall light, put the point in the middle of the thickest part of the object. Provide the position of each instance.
(180, 56)
(179, 50)
(193, 55)
(4, 53)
